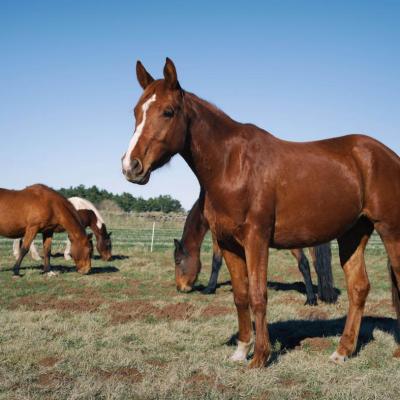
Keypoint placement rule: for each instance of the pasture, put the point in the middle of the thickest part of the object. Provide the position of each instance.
(124, 332)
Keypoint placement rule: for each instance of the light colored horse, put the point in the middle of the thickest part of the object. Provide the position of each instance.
(79, 204)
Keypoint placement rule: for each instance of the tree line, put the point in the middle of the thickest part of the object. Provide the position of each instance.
(125, 201)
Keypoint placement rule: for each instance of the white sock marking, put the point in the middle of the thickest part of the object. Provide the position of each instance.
(136, 135)
(338, 358)
(241, 351)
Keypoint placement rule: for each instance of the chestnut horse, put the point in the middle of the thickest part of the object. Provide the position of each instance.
(38, 208)
(188, 264)
(89, 217)
(257, 188)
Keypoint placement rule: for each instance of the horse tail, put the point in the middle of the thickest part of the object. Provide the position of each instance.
(323, 267)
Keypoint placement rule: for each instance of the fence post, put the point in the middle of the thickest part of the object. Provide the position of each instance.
(152, 237)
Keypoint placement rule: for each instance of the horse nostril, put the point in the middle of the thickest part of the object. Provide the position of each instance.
(136, 166)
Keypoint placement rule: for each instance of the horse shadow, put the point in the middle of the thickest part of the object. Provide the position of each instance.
(64, 269)
(200, 287)
(95, 257)
(295, 286)
(288, 335)
(113, 257)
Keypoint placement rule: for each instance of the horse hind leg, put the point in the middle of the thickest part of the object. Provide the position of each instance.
(304, 268)
(392, 246)
(351, 252)
(30, 234)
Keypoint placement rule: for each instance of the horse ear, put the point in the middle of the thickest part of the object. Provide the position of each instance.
(170, 75)
(178, 244)
(143, 77)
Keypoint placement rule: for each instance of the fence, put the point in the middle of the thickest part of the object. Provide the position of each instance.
(162, 239)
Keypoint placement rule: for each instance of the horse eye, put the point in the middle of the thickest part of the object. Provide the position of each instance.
(168, 113)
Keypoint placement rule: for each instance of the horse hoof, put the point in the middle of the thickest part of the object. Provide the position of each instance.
(208, 291)
(312, 302)
(68, 258)
(257, 362)
(51, 274)
(338, 358)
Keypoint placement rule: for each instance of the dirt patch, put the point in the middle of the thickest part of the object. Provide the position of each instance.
(316, 344)
(48, 361)
(397, 353)
(215, 311)
(313, 314)
(132, 288)
(41, 303)
(131, 310)
(127, 374)
(53, 378)
(198, 383)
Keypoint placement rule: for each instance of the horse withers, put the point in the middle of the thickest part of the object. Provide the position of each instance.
(39, 209)
(188, 264)
(259, 197)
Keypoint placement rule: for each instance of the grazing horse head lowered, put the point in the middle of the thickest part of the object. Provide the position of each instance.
(258, 197)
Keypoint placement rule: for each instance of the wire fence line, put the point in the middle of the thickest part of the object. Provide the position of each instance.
(163, 239)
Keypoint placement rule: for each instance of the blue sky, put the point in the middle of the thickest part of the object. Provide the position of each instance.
(303, 70)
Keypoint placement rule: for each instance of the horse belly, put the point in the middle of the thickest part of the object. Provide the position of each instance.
(312, 215)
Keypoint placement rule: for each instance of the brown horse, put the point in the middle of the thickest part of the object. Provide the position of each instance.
(188, 264)
(38, 208)
(88, 219)
(257, 190)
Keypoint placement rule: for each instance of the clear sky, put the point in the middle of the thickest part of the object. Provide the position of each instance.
(302, 70)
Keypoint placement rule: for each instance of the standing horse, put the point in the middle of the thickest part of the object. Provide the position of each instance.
(257, 190)
(38, 208)
(89, 217)
(188, 264)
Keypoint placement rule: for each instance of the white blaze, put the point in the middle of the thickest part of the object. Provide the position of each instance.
(136, 135)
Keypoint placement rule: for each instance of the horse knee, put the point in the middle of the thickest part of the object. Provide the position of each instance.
(241, 300)
(258, 304)
(360, 292)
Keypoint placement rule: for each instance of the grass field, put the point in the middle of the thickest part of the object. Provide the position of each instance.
(124, 332)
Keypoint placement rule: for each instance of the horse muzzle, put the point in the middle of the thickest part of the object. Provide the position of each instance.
(135, 173)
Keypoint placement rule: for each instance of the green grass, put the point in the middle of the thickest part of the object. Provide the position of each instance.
(124, 332)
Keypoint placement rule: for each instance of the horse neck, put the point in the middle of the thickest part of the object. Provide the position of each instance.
(98, 232)
(71, 223)
(208, 133)
(195, 228)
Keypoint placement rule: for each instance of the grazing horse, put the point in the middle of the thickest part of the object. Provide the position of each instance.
(257, 188)
(89, 217)
(188, 264)
(38, 208)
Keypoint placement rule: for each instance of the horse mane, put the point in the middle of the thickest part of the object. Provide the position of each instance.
(212, 108)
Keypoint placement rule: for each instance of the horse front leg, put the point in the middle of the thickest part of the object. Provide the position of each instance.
(257, 250)
(237, 269)
(215, 268)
